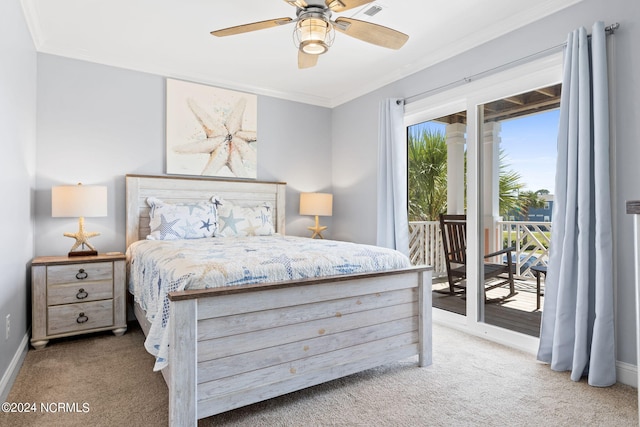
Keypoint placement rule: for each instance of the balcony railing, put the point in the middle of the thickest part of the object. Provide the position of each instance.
(425, 246)
(531, 240)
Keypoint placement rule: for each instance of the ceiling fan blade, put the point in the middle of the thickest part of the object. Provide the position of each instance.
(305, 60)
(254, 26)
(372, 33)
(297, 3)
(342, 5)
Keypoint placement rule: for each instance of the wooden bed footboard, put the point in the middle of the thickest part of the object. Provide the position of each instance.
(233, 347)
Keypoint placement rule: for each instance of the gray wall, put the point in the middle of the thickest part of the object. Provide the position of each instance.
(17, 163)
(354, 132)
(97, 123)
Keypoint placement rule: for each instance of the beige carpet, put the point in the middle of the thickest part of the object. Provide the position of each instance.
(471, 383)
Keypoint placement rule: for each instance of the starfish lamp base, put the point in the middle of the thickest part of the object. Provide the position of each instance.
(82, 253)
(82, 238)
(317, 230)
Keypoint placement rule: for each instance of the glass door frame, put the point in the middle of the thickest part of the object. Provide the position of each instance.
(470, 97)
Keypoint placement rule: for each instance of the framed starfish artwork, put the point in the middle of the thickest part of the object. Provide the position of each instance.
(210, 131)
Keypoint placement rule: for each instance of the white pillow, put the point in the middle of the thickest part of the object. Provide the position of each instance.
(236, 220)
(169, 221)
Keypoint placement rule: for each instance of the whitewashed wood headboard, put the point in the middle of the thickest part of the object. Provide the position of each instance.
(184, 189)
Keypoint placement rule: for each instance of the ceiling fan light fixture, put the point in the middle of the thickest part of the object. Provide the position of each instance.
(313, 47)
(313, 35)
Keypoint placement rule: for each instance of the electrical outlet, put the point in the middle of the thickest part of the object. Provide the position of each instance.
(8, 327)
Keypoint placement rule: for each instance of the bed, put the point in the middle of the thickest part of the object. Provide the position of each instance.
(234, 346)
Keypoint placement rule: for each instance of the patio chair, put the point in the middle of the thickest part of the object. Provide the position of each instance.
(454, 241)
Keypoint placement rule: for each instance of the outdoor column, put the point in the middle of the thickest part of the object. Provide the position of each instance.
(491, 186)
(455, 135)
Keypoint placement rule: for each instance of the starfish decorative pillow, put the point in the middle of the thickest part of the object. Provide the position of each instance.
(170, 221)
(237, 220)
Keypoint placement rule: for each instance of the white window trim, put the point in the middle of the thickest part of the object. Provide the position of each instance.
(467, 97)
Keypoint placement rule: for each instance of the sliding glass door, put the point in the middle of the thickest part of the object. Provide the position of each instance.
(436, 183)
(519, 135)
(481, 128)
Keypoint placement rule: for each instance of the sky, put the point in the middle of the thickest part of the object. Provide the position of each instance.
(529, 145)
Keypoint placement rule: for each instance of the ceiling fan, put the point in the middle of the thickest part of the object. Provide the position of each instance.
(314, 32)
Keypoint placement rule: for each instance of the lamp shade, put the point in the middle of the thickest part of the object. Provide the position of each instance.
(78, 201)
(320, 204)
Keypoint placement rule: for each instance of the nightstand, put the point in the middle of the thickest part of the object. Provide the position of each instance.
(77, 295)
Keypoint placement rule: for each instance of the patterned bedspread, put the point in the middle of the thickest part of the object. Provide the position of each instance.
(159, 267)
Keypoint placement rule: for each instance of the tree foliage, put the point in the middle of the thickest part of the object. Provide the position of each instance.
(509, 184)
(427, 152)
(529, 200)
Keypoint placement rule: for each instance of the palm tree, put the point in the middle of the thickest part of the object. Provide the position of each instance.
(528, 200)
(427, 152)
(509, 186)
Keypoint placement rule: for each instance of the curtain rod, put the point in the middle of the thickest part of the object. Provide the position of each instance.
(610, 29)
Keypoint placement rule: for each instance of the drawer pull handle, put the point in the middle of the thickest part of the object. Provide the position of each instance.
(82, 318)
(82, 294)
(81, 274)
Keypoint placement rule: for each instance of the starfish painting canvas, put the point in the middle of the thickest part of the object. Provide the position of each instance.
(210, 131)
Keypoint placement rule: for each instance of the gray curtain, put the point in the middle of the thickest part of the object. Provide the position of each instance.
(393, 223)
(577, 332)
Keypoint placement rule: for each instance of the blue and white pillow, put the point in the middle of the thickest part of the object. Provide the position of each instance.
(236, 220)
(177, 221)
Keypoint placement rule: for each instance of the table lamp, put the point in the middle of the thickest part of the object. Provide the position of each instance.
(79, 201)
(318, 204)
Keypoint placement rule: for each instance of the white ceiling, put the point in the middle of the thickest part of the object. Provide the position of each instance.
(171, 38)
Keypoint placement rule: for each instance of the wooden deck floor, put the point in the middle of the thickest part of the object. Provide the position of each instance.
(518, 313)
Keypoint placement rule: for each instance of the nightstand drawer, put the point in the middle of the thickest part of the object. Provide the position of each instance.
(71, 293)
(78, 317)
(75, 273)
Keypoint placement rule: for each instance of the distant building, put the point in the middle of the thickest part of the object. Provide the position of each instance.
(543, 214)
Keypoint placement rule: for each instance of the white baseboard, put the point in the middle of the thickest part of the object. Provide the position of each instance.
(14, 367)
(627, 374)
